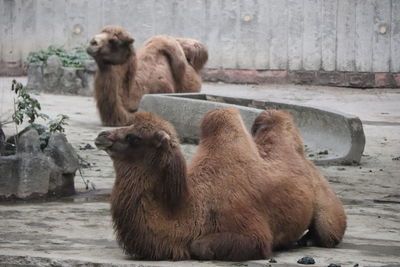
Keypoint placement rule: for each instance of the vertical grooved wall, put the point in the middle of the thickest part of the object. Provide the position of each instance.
(327, 35)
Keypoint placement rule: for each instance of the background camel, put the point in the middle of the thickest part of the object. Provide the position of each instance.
(239, 199)
(163, 64)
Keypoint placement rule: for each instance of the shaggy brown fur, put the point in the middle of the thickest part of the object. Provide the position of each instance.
(277, 139)
(162, 65)
(230, 203)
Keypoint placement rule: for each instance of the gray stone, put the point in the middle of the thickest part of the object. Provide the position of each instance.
(8, 174)
(32, 173)
(52, 71)
(35, 75)
(29, 142)
(340, 134)
(55, 179)
(70, 82)
(60, 184)
(62, 153)
(90, 65)
(2, 140)
(54, 78)
(87, 78)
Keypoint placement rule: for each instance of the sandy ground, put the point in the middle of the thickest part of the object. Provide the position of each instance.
(77, 230)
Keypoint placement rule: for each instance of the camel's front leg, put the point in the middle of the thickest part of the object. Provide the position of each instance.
(230, 247)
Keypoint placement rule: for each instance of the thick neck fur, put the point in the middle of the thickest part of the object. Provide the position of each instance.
(113, 84)
(148, 201)
(163, 181)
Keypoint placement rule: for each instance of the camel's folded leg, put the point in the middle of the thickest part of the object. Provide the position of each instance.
(329, 222)
(196, 53)
(230, 247)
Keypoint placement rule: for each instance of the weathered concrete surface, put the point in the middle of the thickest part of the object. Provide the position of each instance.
(330, 137)
(349, 35)
(78, 230)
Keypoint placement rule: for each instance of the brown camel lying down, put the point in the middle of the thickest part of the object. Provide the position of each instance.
(239, 199)
(163, 64)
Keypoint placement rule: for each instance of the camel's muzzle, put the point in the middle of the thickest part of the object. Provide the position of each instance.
(103, 141)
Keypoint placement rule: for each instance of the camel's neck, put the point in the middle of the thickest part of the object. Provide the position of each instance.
(132, 180)
(112, 86)
(164, 185)
(117, 76)
(142, 220)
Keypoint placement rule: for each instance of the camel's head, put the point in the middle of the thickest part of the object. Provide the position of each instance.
(113, 46)
(145, 139)
(150, 143)
(277, 125)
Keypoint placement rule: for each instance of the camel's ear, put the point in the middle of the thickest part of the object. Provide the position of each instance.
(173, 186)
(256, 126)
(161, 139)
(128, 40)
(123, 38)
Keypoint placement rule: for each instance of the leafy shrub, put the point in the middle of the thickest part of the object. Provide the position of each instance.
(27, 107)
(73, 58)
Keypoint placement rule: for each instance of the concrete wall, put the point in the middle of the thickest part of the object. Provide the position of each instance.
(329, 35)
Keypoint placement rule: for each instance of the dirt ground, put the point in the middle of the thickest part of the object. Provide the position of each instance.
(77, 230)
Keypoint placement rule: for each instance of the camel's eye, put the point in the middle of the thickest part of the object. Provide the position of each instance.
(133, 139)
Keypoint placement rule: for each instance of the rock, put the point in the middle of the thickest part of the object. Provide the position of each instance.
(26, 173)
(306, 260)
(87, 83)
(53, 77)
(66, 163)
(34, 173)
(52, 72)
(35, 76)
(86, 147)
(29, 142)
(90, 65)
(62, 153)
(70, 82)
(61, 184)
(334, 265)
(55, 180)
(325, 152)
(9, 172)
(34, 166)
(2, 141)
(272, 260)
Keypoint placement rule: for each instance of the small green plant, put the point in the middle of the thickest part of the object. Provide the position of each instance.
(27, 107)
(73, 58)
(57, 124)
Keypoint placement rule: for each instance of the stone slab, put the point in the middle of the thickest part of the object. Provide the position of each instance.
(330, 137)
